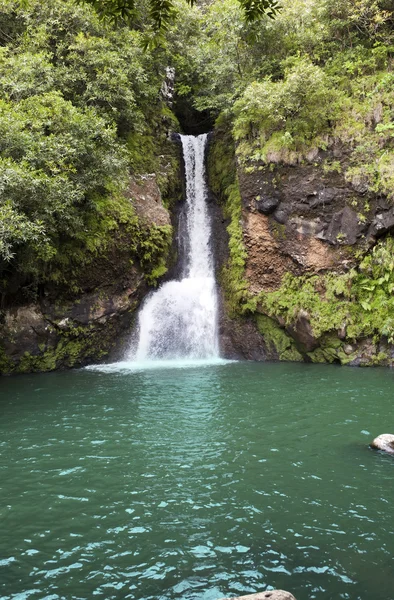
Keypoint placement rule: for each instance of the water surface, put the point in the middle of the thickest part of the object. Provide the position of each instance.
(196, 483)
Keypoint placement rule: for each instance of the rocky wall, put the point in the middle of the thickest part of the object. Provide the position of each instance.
(305, 220)
(93, 326)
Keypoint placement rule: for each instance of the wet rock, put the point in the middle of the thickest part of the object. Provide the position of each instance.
(267, 205)
(44, 337)
(384, 442)
(344, 228)
(268, 595)
(302, 333)
(23, 330)
(240, 339)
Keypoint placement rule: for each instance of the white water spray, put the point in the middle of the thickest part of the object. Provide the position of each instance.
(179, 321)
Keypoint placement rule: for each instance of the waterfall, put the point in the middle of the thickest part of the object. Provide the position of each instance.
(179, 320)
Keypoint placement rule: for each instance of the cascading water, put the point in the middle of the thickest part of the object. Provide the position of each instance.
(179, 321)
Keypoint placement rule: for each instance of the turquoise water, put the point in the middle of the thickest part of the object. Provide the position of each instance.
(196, 483)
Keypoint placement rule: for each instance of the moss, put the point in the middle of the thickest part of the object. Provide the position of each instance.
(277, 340)
(150, 151)
(346, 359)
(330, 350)
(37, 363)
(74, 347)
(223, 181)
(278, 230)
(319, 356)
(291, 355)
(221, 159)
(379, 360)
(361, 300)
(153, 248)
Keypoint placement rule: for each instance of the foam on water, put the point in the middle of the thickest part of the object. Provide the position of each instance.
(134, 366)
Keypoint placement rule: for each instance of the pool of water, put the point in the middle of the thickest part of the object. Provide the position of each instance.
(196, 483)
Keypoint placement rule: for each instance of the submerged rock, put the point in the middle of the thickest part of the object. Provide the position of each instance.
(269, 595)
(384, 442)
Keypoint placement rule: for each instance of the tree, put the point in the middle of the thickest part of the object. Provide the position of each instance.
(161, 11)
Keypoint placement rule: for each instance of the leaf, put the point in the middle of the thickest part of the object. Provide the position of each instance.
(366, 305)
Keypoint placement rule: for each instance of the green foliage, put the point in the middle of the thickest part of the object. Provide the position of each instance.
(222, 177)
(211, 55)
(161, 12)
(367, 21)
(56, 162)
(277, 340)
(73, 93)
(16, 229)
(287, 114)
(362, 300)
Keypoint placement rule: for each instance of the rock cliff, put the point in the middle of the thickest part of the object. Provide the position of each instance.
(310, 252)
(92, 325)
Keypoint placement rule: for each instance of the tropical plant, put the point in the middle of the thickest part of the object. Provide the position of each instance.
(161, 11)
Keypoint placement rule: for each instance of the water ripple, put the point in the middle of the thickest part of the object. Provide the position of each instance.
(195, 484)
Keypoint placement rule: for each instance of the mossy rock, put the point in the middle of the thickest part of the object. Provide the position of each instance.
(277, 340)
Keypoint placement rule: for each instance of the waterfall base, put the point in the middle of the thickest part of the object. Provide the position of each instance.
(134, 366)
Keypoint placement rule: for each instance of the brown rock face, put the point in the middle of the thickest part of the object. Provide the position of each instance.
(305, 218)
(384, 442)
(299, 219)
(273, 251)
(272, 595)
(147, 201)
(265, 265)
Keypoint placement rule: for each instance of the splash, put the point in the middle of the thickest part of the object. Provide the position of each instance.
(179, 321)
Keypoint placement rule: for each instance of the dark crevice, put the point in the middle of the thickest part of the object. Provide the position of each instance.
(191, 120)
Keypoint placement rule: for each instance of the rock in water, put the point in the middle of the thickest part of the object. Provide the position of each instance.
(384, 442)
(268, 595)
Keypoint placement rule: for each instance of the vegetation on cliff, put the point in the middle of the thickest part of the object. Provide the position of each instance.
(317, 78)
(79, 107)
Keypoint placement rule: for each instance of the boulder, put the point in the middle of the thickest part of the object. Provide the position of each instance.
(267, 205)
(268, 595)
(384, 442)
(281, 216)
(302, 333)
(344, 228)
(382, 224)
(348, 349)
